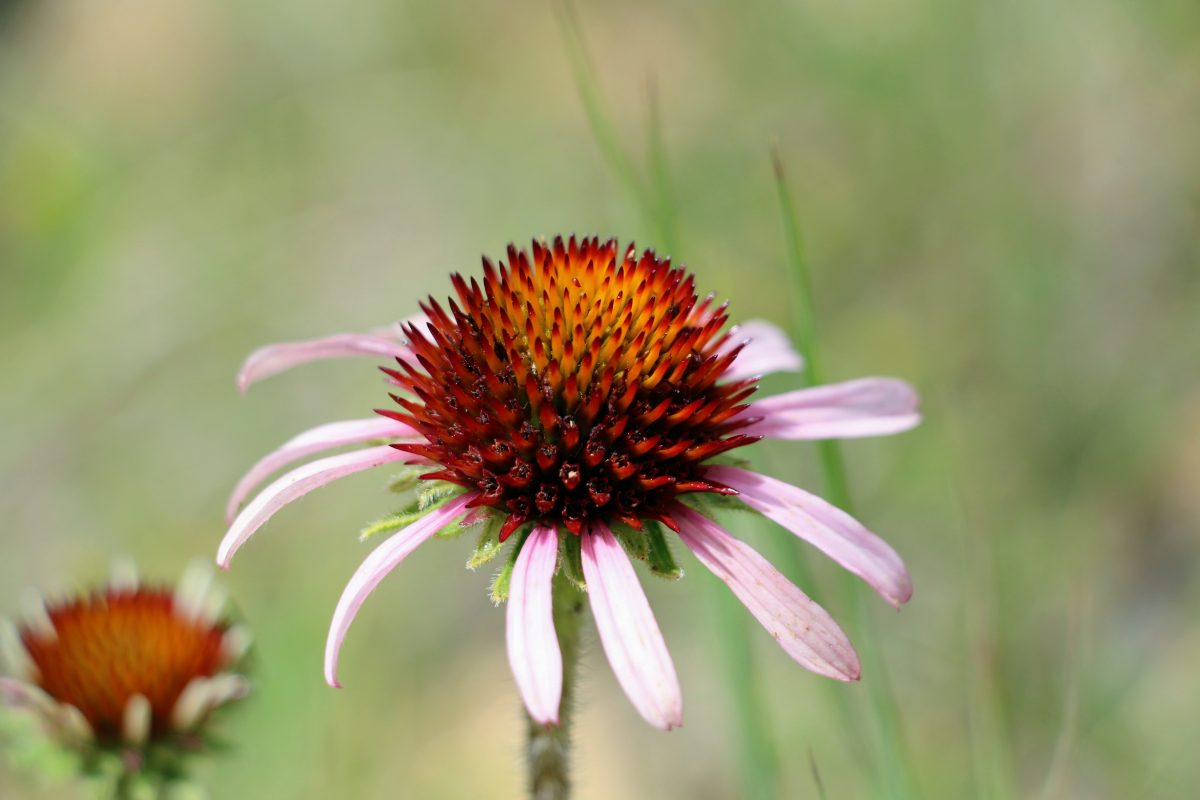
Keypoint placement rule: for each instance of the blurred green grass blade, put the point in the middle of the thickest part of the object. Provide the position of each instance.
(1057, 774)
(757, 755)
(895, 777)
(758, 758)
(660, 173)
(991, 761)
(816, 776)
(600, 119)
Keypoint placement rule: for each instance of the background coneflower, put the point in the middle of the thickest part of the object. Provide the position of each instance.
(127, 677)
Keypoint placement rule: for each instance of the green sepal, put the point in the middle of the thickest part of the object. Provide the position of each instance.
(503, 578)
(570, 559)
(407, 478)
(658, 553)
(436, 494)
(394, 522)
(477, 517)
(489, 544)
(633, 540)
(455, 529)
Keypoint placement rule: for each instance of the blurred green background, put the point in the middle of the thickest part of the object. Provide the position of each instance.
(1002, 204)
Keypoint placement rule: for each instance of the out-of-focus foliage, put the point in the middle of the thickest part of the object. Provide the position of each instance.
(1002, 203)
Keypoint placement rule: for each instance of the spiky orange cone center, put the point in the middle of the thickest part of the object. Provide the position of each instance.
(113, 645)
(575, 383)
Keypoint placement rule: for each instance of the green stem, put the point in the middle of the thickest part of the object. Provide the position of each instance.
(123, 789)
(549, 746)
(895, 775)
(599, 119)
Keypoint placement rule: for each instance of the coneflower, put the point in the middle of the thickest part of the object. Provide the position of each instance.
(579, 401)
(129, 671)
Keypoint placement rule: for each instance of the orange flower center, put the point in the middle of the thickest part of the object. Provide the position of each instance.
(113, 645)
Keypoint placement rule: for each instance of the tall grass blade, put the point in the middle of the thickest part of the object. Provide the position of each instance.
(895, 777)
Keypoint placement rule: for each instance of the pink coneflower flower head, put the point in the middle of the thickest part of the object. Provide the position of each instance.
(129, 670)
(580, 401)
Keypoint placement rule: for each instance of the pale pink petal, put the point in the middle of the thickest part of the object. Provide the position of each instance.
(833, 531)
(323, 437)
(630, 636)
(767, 350)
(295, 484)
(275, 358)
(382, 560)
(863, 407)
(533, 651)
(803, 629)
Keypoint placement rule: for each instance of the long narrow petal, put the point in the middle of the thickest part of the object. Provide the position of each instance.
(833, 531)
(315, 440)
(630, 636)
(275, 358)
(863, 407)
(382, 560)
(533, 651)
(767, 350)
(295, 484)
(803, 629)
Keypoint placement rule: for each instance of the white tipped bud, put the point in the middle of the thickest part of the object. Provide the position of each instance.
(190, 705)
(236, 644)
(192, 591)
(228, 687)
(36, 618)
(214, 603)
(74, 724)
(14, 658)
(135, 724)
(202, 695)
(124, 574)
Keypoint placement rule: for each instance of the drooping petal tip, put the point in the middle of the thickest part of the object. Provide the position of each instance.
(833, 531)
(802, 628)
(382, 560)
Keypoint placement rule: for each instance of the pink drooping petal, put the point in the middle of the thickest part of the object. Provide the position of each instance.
(767, 350)
(630, 636)
(382, 560)
(324, 437)
(863, 407)
(833, 531)
(275, 358)
(533, 651)
(803, 629)
(298, 483)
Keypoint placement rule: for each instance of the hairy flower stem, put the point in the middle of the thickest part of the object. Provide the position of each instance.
(549, 746)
